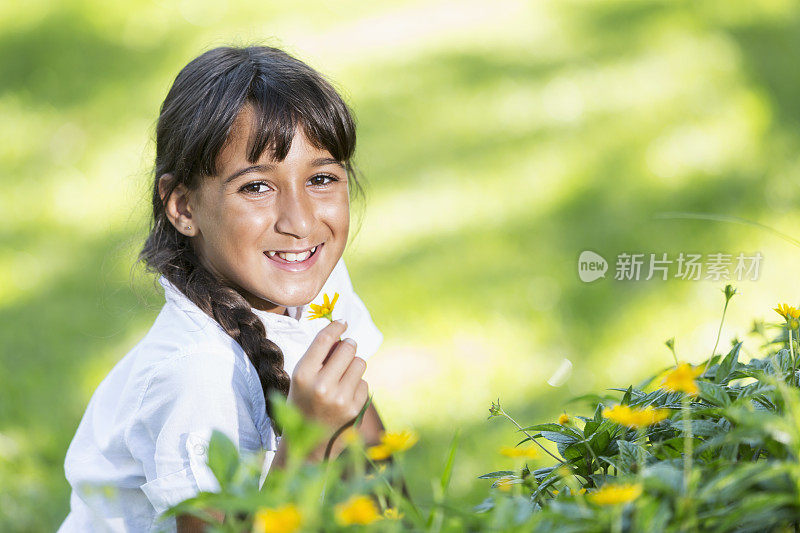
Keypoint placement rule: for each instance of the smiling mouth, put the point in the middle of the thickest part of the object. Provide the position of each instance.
(294, 256)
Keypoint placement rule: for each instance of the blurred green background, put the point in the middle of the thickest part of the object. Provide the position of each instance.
(499, 139)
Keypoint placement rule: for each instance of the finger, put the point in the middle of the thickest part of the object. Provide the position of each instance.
(338, 361)
(353, 374)
(322, 344)
(362, 393)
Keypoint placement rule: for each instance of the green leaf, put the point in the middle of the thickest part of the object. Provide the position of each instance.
(550, 426)
(448, 467)
(223, 458)
(784, 360)
(572, 453)
(629, 455)
(626, 399)
(598, 413)
(486, 505)
(305, 434)
(724, 369)
(552, 436)
(713, 393)
(600, 441)
(499, 473)
(541, 473)
(665, 476)
(652, 516)
(700, 428)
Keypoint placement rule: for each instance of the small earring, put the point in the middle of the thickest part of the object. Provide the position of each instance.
(188, 227)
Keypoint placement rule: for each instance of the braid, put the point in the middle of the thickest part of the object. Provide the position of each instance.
(180, 265)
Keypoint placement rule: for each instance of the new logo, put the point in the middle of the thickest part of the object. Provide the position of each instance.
(591, 266)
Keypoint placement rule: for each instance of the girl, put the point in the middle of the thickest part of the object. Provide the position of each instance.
(250, 218)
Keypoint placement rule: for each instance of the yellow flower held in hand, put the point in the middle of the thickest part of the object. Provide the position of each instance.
(392, 442)
(286, 519)
(529, 452)
(326, 309)
(633, 417)
(682, 379)
(357, 510)
(612, 494)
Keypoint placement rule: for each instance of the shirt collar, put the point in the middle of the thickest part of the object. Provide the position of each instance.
(174, 295)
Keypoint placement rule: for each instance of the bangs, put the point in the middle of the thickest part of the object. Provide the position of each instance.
(310, 103)
(200, 112)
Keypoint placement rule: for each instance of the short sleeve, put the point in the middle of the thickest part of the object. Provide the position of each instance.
(186, 398)
(360, 326)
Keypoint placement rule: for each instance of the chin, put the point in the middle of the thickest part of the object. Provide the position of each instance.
(294, 299)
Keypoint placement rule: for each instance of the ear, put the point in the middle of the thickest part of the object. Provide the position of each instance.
(177, 207)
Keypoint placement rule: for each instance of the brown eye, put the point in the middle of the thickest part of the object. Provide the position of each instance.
(323, 179)
(256, 187)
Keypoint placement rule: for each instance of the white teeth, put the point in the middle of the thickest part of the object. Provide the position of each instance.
(294, 258)
(289, 256)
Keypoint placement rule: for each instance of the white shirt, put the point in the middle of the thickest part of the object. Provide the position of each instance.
(141, 445)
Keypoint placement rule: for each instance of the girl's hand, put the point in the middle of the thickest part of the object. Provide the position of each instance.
(330, 391)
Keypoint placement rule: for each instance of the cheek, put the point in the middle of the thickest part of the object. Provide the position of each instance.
(234, 226)
(336, 213)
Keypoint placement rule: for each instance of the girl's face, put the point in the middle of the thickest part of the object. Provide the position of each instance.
(274, 230)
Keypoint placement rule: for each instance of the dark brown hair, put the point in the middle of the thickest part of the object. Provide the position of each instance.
(194, 125)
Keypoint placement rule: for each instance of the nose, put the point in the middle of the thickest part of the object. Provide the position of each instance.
(295, 214)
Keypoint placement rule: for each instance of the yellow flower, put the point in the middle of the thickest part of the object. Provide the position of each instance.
(633, 417)
(399, 442)
(582, 491)
(325, 310)
(787, 312)
(612, 494)
(563, 419)
(378, 452)
(392, 442)
(286, 519)
(357, 510)
(529, 452)
(392, 513)
(682, 379)
(505, 484)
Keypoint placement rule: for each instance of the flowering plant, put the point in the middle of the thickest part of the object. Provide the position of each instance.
(710, 447)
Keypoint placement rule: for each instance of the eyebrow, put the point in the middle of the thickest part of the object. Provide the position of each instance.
(318, 162)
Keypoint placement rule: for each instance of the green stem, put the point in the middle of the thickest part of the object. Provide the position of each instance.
(529, 436)
(618, 519)
(719, 332)
(687, 456)
(395, 496)
(791, 351)
(640, 457)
